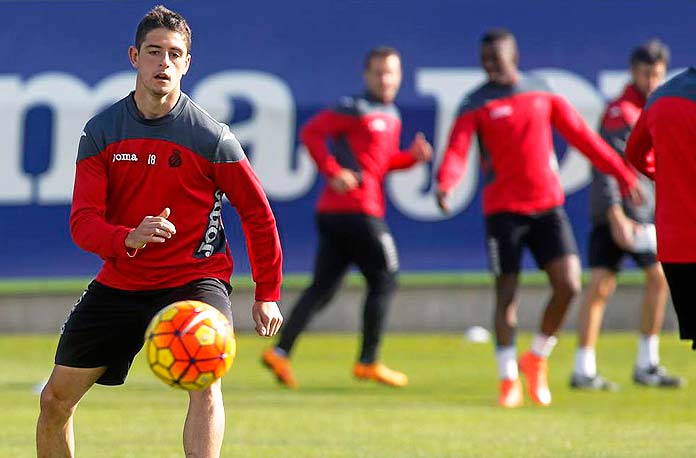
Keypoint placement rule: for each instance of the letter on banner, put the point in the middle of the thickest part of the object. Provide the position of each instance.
(405, 189)
(270, 131)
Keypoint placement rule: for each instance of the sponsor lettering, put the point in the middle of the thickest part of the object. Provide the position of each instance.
(214, 237)
(129, 157)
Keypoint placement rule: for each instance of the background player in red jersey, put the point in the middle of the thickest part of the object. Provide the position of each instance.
(617, 225)
(513, 116)
(156, 153)
(662, 145)
(365, 131)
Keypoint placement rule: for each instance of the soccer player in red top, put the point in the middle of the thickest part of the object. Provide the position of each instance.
(618, 227)
(662, 145)
(365, 131)
(513, 116)
(150, 176)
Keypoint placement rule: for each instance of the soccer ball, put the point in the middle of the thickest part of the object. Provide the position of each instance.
(189, 345)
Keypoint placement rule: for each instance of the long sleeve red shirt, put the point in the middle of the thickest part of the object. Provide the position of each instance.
(129, 168)
(662, 145)
(365, 135)
(514, 128)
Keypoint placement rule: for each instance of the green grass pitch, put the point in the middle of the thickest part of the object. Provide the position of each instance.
(293, 281)
(447, 411)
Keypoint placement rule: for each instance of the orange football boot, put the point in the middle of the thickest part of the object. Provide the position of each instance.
(280, 366)
(535, 369)
(510, 393)
(380, 373)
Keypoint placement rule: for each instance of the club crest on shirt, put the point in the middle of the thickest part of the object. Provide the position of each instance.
(175, 159)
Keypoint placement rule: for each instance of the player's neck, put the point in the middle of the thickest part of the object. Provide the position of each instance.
(153, 106)
(512, 79)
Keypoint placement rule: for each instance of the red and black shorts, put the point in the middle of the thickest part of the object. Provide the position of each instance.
(548, 235)
(106, 327)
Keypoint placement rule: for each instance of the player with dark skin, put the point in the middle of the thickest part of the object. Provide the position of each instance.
(528, 108)
(500, 62)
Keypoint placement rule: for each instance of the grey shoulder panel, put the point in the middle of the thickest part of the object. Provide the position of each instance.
(87, 146)
(363, 105)
(683, 85)
(347, 106)
(228, 149)
(187, 125)
(98, 132)
(489, 92)
(477, 98)
(532, 84)
(208, 137)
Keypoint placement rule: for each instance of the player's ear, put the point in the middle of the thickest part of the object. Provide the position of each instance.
(188, 64)
(133, 56)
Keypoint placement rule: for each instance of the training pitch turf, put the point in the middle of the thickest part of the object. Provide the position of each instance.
(48, 286)
(447, 411)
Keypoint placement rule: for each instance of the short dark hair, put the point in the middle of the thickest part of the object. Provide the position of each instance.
(651, 53)
(380, 52)
(495, 34)
(161, 17)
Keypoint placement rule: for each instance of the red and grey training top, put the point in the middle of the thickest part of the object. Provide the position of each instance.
(514, 127)
(662, 145)
(365, 134)
(129, 167)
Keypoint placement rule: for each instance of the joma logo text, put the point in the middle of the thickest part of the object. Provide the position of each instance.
(132, 157)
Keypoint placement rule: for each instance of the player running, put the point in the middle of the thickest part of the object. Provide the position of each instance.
(365, 131)
(151, 173)
(513, 115)
(617, 225)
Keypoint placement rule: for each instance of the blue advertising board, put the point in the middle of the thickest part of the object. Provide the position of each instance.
(265, 68)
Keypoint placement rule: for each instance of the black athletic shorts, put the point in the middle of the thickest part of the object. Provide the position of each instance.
(106, 327)
(548, 236)
(604, 252)
(682, 286)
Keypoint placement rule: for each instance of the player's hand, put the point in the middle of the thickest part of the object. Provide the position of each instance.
(267, 317)
(636, 195)
(420, 149)
(152, 229)
(622, 228)
(344, 181)
(443, 200)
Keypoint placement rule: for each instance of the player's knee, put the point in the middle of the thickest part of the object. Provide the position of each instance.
(391, 281)
(656, 280)
(383, 284)
(605, 289)
(55, 405)
(567, 288)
